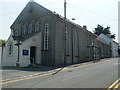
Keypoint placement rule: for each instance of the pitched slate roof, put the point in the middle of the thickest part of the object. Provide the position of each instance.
(33, 5)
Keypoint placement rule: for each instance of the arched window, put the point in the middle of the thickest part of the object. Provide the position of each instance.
(10, 48)
(46, 37)
(37, 27)
(29, 28)
(76, 39)
(16, 33)
(66, 42)
(24, 29)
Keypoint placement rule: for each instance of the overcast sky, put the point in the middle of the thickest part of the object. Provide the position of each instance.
(85, 12)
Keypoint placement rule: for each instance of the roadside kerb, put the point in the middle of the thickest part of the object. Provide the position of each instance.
(55, 70)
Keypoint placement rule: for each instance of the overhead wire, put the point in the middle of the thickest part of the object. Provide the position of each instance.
(100, 15)
(50, 3)
(18, 11)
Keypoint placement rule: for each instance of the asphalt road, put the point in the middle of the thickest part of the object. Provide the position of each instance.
(95, 75)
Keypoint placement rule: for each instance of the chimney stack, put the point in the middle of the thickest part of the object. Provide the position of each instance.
(85, 27)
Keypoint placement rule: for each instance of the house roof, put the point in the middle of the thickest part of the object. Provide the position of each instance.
(101, 40)
(108, 38)
(32, 8)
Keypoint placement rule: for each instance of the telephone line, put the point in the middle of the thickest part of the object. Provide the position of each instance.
(100, 15)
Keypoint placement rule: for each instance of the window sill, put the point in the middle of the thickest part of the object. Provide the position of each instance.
(10, 55)
(67, 54)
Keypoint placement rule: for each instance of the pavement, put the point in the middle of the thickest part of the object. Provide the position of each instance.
(9, 73)
(86, 75)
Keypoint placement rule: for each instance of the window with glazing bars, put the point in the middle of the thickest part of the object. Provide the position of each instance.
(46, 37)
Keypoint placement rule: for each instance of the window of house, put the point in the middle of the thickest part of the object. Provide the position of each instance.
(16, 33)
(76, 44)
(66, 42)
(37, 27)
(46, 37)
(19, 32)
(24, 29)
(29, 28)
(10, 48)
(87, 47)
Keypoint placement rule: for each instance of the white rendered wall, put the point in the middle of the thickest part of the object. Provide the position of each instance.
(25, 45)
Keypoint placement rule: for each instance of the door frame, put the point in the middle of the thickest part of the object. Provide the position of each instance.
(32, 54)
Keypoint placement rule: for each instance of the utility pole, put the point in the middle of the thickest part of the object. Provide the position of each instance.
(65, 33)
(65, 9)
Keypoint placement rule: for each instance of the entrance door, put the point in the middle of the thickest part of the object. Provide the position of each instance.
(32, 54)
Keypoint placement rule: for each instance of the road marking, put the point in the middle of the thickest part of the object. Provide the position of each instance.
(29, 75)
(116, 87)
(49, 72)
(111, 86)
(24, 78)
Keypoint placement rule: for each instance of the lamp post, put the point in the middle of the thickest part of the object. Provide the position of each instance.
(65, 32)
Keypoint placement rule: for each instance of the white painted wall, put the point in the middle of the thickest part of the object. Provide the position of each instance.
(25, 45)
(9, 60)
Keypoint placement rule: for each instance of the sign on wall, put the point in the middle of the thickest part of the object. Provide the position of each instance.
(25, 52)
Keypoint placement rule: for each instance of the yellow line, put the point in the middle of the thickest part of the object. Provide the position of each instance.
(113, 84)
(24, 79)
(67, 68)
(116, 87)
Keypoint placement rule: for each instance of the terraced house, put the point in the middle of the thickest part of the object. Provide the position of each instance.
(40, 36)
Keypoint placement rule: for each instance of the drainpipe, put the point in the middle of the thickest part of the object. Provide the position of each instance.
(18, 45)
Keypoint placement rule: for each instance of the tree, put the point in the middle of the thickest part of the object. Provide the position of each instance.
(2, 41)
(100, 29)
(106, 31)
(112, 36)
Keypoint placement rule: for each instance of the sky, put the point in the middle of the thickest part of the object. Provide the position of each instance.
(86, 12)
